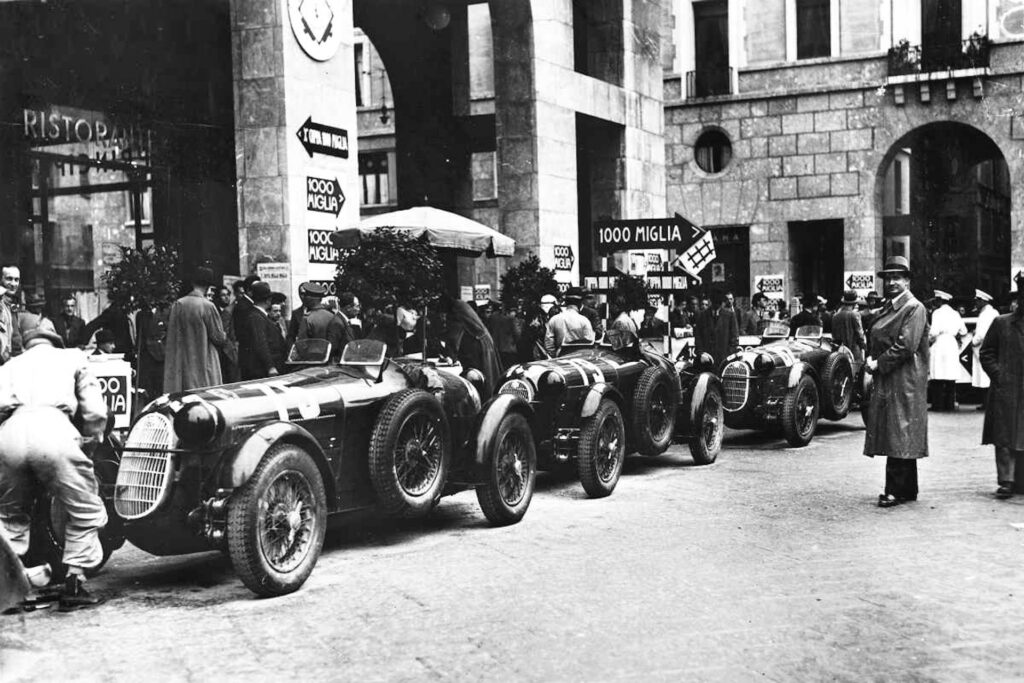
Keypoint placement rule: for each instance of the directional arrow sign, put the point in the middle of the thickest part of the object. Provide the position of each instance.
(860, 281)
(564, 258)
(654, 233)
(323, 139)
(772, 286)
(324, 195)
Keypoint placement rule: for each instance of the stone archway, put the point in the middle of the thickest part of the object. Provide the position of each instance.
(943, 194)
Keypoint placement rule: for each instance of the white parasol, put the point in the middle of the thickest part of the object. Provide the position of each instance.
(444, 229)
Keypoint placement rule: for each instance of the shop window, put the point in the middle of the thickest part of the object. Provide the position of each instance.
(485, 176)
(713, 151)
(373, 175)
(813, 29)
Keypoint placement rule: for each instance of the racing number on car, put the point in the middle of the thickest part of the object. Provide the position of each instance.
(281, 395)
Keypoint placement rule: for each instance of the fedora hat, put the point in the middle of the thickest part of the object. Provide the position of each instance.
(850, 297)
(896, 265)
(203, 276)
(42, 332)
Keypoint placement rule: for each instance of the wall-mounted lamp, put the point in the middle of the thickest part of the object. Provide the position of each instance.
(384, 115)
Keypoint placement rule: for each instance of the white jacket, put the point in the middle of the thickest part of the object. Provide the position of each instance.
(944, 363)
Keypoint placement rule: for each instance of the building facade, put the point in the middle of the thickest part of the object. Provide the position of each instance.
(836, 133)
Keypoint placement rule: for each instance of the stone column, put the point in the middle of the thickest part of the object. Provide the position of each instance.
(278, 88)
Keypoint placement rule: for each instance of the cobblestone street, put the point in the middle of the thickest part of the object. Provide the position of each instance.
(773, 564)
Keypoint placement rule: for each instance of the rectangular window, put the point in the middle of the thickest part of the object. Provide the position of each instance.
(897, 176)
(711, 49)
(363, 94)
(373, 175)
(813, 29)
(485, 185)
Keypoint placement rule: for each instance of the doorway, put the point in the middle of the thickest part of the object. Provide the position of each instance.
(941, 22)
(816, 255)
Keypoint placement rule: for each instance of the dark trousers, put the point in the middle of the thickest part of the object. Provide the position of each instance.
(901, 478)
(1009, 464)
(943, 394)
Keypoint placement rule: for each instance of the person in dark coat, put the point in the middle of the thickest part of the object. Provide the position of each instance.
(152, 350)
(847, 328)
(806, 316)
(114, 319)
(652, 327)
(898, 412)
(468, 338)
(503, 331)
(872, 306)
(264, 353)
(1002, 358)
(68, 325)
(240, 309)
(716, 332)
(320, 323)
(590, 312)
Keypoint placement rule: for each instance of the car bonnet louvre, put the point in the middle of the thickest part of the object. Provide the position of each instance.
(146, 469)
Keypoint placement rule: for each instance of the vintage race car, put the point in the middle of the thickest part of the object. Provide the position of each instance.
(592, 405)
(788, 382)
(256, 467)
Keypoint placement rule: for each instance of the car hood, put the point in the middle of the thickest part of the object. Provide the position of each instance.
(579, 368)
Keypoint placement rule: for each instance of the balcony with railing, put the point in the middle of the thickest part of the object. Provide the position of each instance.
(945, 63)
(709, 82)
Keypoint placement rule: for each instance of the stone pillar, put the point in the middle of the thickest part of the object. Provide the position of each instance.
(278, 88)
(537, 96)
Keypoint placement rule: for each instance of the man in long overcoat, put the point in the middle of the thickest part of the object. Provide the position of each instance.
(898, 411)
(847, 327)
(194, 333)
(1002, 357)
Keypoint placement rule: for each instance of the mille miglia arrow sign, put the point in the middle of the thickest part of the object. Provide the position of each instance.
(323, 139)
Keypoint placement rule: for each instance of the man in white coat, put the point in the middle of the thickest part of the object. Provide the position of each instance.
(986, 314)
(944, 367)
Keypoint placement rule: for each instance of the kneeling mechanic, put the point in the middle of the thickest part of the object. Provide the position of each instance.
(40, 392)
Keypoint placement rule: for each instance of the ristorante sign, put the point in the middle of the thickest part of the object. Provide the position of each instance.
(654, 233)
(66, 125)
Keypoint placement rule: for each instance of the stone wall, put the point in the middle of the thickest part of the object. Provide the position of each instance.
(818, 153)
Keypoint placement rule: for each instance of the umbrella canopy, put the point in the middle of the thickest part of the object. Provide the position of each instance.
(443, 228)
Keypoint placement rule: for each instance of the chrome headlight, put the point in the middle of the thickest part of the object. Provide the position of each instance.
(198, 423)
(763, 363)
(550, 383)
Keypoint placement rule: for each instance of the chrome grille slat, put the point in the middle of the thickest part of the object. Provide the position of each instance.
(144, 476)
(735, 385)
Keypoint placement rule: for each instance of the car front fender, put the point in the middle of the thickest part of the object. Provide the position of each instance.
(486, 429)
(799, 369)
(704, 383)
(594, 396)
(240, 464)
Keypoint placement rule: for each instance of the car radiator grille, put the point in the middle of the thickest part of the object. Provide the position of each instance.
(146, 470)
(519, 387)
(735, 385)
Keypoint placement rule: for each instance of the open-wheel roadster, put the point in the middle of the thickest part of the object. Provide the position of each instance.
(594, 404)
(255, 468)
(787, 383)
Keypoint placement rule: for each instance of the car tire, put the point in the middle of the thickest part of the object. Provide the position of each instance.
(46, 539)
(410, 436)
(511, 472)
(655, 402)
(287, 488)
(837, 384)
(800, 412)
(708, 428)
(601, 450)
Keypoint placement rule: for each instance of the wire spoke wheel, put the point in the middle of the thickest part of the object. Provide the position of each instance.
(608, 448)
(711, 422)
(513, 468)
(418, 454)
(287, 521)
(657, 419)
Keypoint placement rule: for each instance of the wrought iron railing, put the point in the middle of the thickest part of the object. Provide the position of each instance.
(972, 53)
(709, 82)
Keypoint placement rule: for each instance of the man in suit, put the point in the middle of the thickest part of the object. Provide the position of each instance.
(241, 307)
(68, 325)
(264, 352)
(318, 322)
(716, 332)
(348, 310)
(807, 315)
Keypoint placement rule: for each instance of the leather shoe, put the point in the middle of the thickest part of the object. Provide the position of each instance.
(1004, 492)
(887, 501)
(75, 596)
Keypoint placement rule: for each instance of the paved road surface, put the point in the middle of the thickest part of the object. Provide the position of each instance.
(771, 565)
